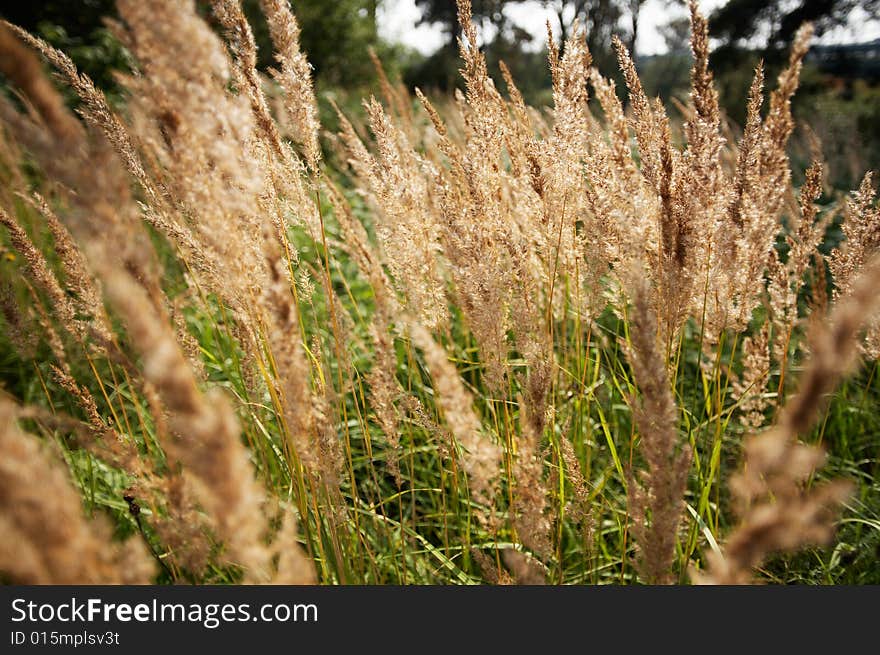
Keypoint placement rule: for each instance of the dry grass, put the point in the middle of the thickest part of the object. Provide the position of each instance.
(480, 342)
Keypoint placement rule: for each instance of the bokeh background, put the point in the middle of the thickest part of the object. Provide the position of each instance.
(839, 101)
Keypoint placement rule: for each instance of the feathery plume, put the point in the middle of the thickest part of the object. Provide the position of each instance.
(480, 457)
(47, 540)
(295, 77)
(656, 497)
(777, 513)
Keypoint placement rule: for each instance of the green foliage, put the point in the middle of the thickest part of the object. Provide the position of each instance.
(424, 530)
(77, 29)
(334, 35)
(845, 116)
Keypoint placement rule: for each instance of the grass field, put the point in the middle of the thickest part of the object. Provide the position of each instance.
(461, 341)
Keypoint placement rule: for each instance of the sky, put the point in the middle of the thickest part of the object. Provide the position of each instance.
(398, 18)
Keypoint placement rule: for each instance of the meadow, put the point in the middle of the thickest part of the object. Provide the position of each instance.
(459, 340)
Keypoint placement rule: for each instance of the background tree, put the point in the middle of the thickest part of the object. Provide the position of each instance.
(668, 75)
(440, 70)
(77, 28)
(738, 23)
(602, 19)
(335, 35)
(635, 10)
(445, 14)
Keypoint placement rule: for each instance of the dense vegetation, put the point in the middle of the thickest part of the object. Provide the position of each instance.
(458, 340)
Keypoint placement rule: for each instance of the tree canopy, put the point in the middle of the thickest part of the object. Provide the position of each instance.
(740, 23)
